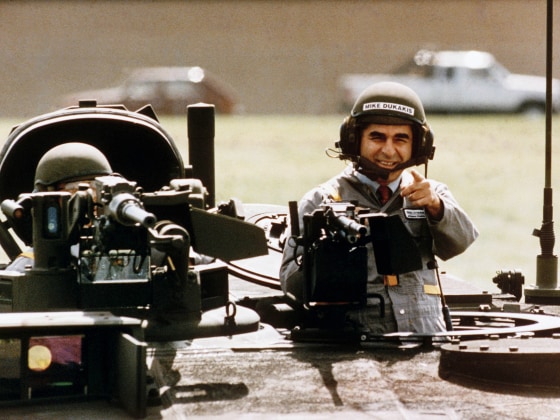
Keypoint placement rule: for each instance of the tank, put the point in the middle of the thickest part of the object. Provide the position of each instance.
(196, 324)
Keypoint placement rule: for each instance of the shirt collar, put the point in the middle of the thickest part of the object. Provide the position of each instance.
(374, 185)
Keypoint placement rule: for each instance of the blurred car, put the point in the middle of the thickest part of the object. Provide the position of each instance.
(168, 89)
(459, 82)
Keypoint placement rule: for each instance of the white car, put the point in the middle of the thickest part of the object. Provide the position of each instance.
(460, 82)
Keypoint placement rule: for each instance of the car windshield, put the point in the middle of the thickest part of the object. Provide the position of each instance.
(412, 68)
(498, 71)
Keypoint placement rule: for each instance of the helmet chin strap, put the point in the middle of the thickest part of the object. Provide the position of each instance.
(373, 171)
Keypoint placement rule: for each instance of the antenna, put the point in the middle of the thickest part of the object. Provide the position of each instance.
(546, 290)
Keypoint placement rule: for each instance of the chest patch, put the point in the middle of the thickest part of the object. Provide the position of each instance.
(414, 214)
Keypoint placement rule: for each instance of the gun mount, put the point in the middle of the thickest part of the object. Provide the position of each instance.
(332, 252)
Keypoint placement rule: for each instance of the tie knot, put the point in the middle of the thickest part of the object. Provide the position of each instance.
(384, 193)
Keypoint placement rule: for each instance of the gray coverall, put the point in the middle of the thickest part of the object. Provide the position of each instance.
(414, 304)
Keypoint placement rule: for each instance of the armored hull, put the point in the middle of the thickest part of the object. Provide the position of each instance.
(223, 341)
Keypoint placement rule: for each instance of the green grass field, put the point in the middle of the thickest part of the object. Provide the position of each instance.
(494, 165)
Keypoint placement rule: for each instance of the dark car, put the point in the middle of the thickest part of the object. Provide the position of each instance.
(168, 89)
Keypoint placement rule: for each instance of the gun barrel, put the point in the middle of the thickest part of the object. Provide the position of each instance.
(12, 209)
(136, 214)
(349, 225)
(127, 210)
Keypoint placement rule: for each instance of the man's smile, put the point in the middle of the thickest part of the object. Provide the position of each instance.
(386, 164)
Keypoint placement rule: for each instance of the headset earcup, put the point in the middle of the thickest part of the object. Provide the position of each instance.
(428, 142)
(425, 149)
(347, 142)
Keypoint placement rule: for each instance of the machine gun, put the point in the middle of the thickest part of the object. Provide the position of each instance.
(103, 248)
(335, 258)
(128, 259)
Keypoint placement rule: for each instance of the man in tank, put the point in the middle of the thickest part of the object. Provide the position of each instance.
(385, 133)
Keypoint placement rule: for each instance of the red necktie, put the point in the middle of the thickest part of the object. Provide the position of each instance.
(384, 193)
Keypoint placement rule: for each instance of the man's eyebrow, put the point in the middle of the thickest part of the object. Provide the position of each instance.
(377, 133)
(403, 135)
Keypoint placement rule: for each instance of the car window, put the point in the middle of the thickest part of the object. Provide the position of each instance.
(142, 90)
(181, 89)
(479, 73)
(450, 73)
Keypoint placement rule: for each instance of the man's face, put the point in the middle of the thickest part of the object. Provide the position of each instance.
(74, 186)
(387, 146)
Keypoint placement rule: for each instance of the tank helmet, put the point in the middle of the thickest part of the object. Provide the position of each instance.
(386, 103)
(70, 162)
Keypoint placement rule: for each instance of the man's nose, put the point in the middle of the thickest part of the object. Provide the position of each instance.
(388, 147)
